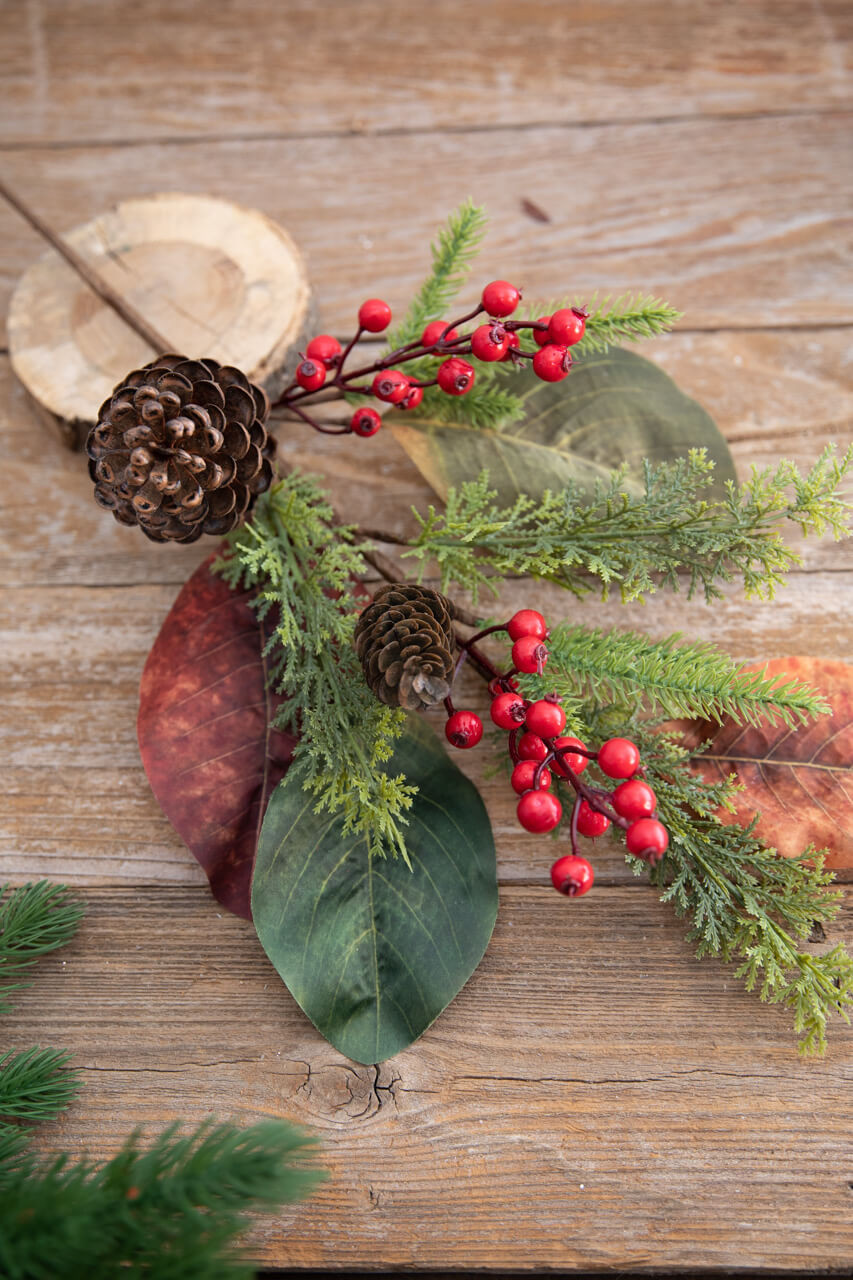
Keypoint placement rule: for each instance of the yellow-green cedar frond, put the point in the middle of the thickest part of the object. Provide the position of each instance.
(304, 567)
(638, 542)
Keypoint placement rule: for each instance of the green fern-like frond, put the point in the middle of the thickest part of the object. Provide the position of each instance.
(638, 542)
(304, 568)
(453, 251)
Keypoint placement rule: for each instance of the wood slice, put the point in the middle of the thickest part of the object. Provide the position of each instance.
(213, 278)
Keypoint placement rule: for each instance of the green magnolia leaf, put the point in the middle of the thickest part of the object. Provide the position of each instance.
(371, 951)
(614, 407)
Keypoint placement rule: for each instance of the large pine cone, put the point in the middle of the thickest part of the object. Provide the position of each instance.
(404, 640)
(181, 449)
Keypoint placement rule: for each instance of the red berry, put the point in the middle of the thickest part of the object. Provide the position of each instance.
(539, 811)
(507, 710)
(513, 342)
(390, 385)
(531, 747)
(618, 758)
(489, 342)
(591, 822)
(432, 333)
(634, 800)
(576, 763)
(374, 315)
(455, 376)
(500, 298)
(552, 364)
(499, 685)
(413, 399)
(540, 336)
(529, 654)
(311, 374)
(527, 622)
(567, 326)
(523, 775)
(324, 347)
(572, 876)
(365, 422)
(464, 729)
(546, 718)
(647, 838)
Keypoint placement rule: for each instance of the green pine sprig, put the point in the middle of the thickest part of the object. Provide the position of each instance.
(669, 677)
(35, 1084)
(304, 569)
(173, 1210)
(631, 318)
(35, 919)
(452, 253)
(639, 541)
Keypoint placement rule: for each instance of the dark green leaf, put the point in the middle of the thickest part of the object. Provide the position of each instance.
(370, 950)
(614, 408)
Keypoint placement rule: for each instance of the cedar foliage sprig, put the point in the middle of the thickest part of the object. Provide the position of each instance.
(638, 541)
(745, 903)
(669, 677)
(173, 1210)
(303, 566)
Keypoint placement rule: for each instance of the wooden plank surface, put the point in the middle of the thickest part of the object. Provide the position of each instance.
(705, 212)
(285, 68)
(643, 1112)
(594, 1098)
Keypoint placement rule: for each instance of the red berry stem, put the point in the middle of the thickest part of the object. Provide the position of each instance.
(319, 426)
(573, 825)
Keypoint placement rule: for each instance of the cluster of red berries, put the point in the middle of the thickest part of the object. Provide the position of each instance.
(498, 338)
(540, 752)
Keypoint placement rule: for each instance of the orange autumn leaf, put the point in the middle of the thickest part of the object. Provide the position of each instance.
(799, 778)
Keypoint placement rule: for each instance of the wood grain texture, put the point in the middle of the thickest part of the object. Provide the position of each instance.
(594, 1099)
(284, 69)
(703, 212)
(595, 1093)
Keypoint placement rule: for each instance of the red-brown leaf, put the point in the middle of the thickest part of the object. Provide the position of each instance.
(800, 779)
(204, 730)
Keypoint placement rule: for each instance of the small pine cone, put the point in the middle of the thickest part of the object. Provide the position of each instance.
(181, 449)
(404, 640)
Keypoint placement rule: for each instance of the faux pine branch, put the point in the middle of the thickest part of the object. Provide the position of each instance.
(452, 253)
(304, 568)
(670, 677)
(174, 1210)
(35, 1084)
(638, 542)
